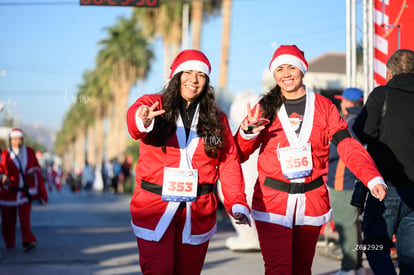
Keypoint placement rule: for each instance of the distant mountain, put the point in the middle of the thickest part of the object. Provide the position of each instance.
(40, 133)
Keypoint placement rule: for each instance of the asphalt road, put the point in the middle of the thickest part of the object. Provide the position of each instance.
(87, 234)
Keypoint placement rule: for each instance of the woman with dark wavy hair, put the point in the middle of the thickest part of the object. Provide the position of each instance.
(185, 146)
(293, 126)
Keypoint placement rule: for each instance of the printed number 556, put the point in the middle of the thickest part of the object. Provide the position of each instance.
(297, 162)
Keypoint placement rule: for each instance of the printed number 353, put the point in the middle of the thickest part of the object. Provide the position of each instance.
(180, 186)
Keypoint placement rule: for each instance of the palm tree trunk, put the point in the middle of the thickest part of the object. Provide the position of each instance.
(91, 153)
(167, 59)
(111, 134)
(67, 159)
(176, 33)
(121, 114)
(73, 154)
(225, 40)
(80, 148)
(196, 23)
(100, 137)
(117, 134)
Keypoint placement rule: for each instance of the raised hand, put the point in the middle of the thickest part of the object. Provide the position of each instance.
(253, 123)
(147, 113)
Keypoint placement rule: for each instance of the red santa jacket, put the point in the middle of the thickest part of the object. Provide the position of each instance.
(12, 194)
(321, 121)
(150, 214)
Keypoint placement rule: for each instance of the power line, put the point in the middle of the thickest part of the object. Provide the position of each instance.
(55, 3)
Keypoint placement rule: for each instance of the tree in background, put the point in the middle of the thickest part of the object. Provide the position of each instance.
(126, 56)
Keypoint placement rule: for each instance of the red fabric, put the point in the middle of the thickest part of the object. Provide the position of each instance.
(286, 250)
(357, 159)
(326, 122)
(170, 255)
(147, 208)
(8, 225)
(12, 171)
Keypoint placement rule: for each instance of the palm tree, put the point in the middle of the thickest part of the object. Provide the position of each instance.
(65, 139)
(165, 23)
(74, 131)
(126, 57)
(100, 99)
(78, 125)
(225, 44)
(197, 9)
(83, 117)
(95, 89)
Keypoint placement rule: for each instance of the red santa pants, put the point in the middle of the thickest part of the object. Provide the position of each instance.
(8, 225)
(287, 250)
(170, 255)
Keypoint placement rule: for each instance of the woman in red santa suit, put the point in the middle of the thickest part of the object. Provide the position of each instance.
(21, 182)
(185, 146)
(294, 126)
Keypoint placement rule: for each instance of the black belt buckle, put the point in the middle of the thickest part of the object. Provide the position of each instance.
(296, 188)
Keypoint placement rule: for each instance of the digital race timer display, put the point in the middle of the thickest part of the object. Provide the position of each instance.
(131, 3)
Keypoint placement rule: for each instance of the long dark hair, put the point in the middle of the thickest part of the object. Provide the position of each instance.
(271, 102)
(210, 124)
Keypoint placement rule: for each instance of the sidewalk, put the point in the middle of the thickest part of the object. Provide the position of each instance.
(90, 234)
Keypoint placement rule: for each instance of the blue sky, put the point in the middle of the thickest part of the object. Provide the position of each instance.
(45, 49)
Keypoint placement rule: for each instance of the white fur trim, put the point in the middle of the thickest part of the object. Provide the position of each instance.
(287, 221)
(13, 203)
(199, 239)
(16, 134)
(319, 220)
(288, 59)
(298, 200)
(248, 136)
(155, 235)
(307, 123)
(272, 218)
(192, 65)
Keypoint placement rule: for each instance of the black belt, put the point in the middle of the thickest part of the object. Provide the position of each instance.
(157, 189)
(16, 189)
(293, 187)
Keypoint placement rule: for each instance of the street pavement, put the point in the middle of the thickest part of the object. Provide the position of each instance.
(90, 234)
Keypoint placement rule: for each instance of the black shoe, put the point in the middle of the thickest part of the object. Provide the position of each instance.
(29, 246)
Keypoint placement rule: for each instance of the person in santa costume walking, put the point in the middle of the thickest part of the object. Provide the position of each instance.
(185, 146)
(21, 182)
(294, 126)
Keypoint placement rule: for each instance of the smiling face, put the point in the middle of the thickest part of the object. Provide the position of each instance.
(192, 84)
(290, 80)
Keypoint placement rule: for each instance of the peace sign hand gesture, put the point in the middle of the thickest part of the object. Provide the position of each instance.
(253, 123)
(147, 113)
